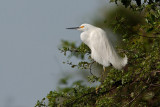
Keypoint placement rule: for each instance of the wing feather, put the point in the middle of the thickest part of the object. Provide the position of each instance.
(103, 52)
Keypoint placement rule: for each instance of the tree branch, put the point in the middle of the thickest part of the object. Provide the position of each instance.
(135, 97)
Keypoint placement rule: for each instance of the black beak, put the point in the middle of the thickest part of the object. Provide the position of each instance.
(73, 28)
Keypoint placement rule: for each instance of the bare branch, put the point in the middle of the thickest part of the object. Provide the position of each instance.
(135, 97)
(90, 67)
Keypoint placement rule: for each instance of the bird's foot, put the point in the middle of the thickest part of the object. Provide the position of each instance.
(97, 89)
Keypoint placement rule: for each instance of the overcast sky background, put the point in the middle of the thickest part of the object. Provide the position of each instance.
(30, 32)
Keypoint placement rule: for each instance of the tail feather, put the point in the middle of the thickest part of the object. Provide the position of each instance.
(125, 60)
(119, 62)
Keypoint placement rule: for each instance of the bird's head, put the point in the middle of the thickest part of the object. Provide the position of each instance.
(83, 27)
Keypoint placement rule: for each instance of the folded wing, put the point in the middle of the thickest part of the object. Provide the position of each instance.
(103, 52)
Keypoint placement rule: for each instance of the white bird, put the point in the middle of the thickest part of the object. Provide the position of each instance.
(102, 51)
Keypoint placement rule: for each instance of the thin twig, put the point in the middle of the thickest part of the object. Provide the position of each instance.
(155, 85)
(90, 67)
(126, 51)
(135, 97)
(75, 50)
(150, 36)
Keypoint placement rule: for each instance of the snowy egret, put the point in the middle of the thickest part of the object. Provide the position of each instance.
(102, 51)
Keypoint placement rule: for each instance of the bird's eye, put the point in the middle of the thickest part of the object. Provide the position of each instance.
(81, 26)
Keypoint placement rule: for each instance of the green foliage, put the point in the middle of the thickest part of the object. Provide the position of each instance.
(138, 84)
(138, 3)
(77, 51)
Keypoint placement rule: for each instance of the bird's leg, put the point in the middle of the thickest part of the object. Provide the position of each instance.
(97, 88)
(104, 68)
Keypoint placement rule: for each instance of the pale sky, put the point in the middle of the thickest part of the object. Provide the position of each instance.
(30, 32)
